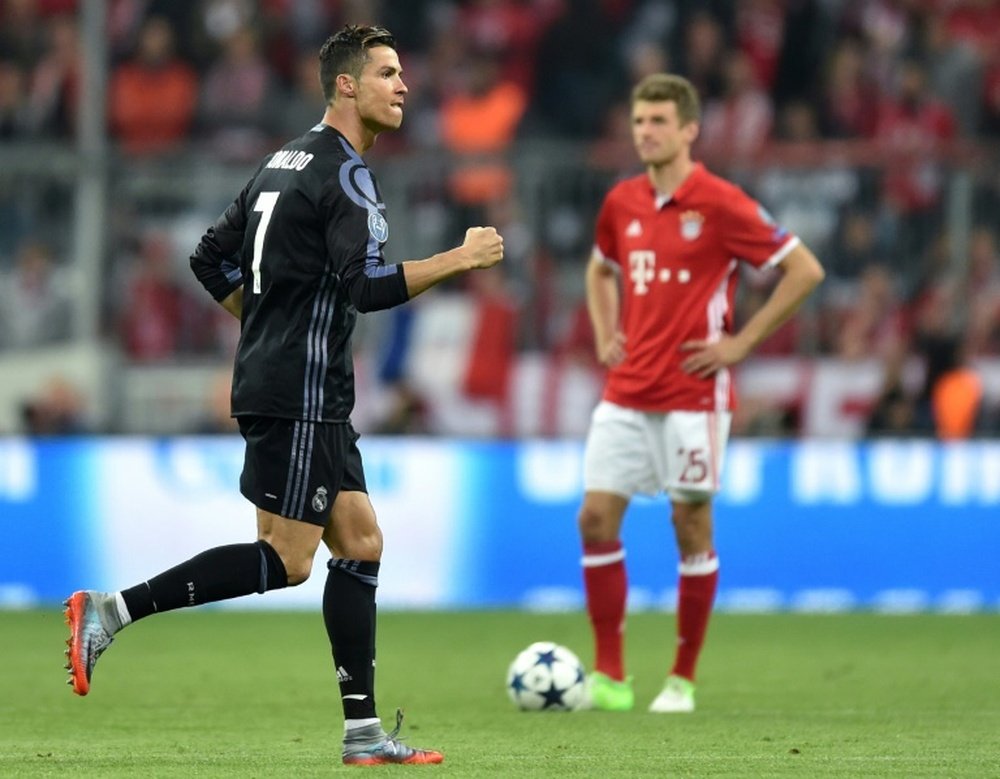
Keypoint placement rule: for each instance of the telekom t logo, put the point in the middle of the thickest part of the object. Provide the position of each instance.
(641, 269)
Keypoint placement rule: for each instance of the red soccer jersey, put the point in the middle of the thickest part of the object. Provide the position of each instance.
(678, 260)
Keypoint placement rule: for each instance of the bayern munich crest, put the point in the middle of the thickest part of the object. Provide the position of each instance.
(691, 222)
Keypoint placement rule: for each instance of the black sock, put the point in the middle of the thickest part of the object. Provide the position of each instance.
(216, 574)
(349, 614)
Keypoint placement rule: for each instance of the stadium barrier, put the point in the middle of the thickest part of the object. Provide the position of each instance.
(815, 525)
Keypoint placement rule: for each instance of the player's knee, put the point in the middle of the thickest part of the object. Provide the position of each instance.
(693, 524)
(298, 571)
(361, 546)
(594, 526)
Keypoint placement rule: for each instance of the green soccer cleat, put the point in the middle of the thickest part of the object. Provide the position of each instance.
(676, 697)
(607, 694)
(373, 746)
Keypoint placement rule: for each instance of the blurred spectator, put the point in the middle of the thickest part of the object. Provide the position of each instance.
(55, 81)
(56, 410)
(808, 35)
(956, 391)
(806, 199)
(492, 350)
(13, 104)
(983, 326)
(885, 28)
(951, 398)
(217, 418)
(894, 412)
(649, 24)
(855, 245)
(35, 300)
(760, 35)
(577, 73)
(990, 122)
(973, 23)
(478, 125)
(613, 149)
(510, 30)
(22, 35)
(848, 96)
(701, 58)
(954, 71)
(404, 409)
(304, 101)
(912, 126)
(153, 96)
(156, 313)
(754, 288)
(739, 122)
(644, 59)
(236, 112)
(872, 324)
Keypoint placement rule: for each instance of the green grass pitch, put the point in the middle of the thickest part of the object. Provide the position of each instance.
(251, 694)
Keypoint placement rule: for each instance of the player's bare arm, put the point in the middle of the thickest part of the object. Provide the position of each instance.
(233, 302)
(482, 248)
(801, 274)
(603, 306)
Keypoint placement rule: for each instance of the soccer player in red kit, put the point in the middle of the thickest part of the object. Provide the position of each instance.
(660, 285)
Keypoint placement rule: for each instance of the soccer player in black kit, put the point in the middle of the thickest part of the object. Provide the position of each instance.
(295, 257)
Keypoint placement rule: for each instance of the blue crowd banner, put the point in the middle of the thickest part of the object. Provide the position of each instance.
(901, 525)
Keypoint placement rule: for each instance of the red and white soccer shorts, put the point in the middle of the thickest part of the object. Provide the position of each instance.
(631, 452)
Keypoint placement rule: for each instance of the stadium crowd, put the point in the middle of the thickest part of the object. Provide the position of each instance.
(852, 120)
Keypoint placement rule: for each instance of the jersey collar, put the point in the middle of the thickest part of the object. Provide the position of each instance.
(697, 171)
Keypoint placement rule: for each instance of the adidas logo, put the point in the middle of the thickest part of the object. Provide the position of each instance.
(343, 676)
(634, 228)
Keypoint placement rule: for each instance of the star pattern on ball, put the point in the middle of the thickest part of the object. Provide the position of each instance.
(547, 658)
(553, 696)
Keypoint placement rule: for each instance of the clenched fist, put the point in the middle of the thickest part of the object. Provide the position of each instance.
(483, 246)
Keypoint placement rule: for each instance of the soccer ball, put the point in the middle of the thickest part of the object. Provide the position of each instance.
(546, 677)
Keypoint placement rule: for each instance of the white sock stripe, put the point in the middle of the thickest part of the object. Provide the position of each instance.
(354, 724)
(698, 565)
(597, 560)
(123, 615)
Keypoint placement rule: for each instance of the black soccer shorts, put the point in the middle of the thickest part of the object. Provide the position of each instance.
(296, 469)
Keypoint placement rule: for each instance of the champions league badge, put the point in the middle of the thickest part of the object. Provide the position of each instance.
(691, 222)
(319, 500)
(378, 227)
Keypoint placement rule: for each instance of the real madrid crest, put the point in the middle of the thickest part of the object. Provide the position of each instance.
(691, 222)
(319, 500)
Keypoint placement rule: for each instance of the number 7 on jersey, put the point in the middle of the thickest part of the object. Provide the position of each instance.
(265, 204)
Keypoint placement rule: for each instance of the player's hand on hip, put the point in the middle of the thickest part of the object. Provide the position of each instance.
(612, 351)
(707, 357)
(484, 246)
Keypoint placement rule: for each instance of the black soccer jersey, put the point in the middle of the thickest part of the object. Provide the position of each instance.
(305, 240)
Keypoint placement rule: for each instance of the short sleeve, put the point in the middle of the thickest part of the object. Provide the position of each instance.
(751, 234)
(605, 240)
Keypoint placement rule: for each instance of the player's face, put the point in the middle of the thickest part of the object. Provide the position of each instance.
(381, 90)
(657, 132)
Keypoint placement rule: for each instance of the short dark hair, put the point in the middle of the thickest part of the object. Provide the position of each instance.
(663, 87)
(347, 52)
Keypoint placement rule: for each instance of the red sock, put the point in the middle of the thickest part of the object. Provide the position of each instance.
(699, 577)
(606, 586)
